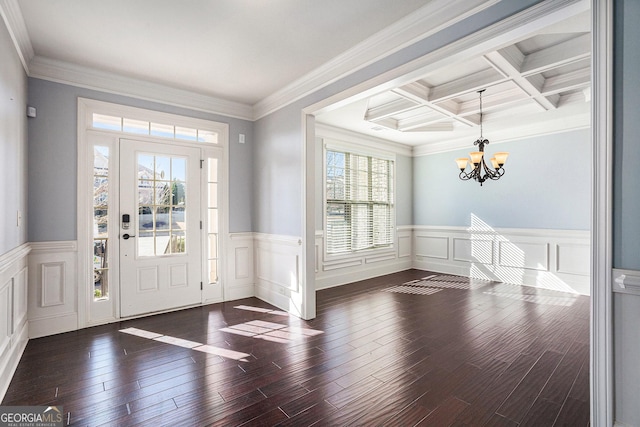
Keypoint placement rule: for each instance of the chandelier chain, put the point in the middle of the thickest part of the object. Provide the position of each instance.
(480, 92)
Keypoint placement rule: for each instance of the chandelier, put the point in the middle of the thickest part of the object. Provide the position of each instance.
(480, 172)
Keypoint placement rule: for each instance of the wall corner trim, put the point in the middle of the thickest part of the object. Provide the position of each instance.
(626, 281)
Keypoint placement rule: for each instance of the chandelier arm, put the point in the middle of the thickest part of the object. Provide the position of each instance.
(465, 176)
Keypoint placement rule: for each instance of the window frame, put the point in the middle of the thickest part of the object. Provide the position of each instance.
(360, 150)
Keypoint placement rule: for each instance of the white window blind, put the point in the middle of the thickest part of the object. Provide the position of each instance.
(359, 204)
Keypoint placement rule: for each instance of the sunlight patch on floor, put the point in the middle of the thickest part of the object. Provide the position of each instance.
(261, 310)
(564, 301)
(412, 289)
(167, 339)
(271, 331)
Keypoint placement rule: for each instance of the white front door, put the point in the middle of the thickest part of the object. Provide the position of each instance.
(160, 227)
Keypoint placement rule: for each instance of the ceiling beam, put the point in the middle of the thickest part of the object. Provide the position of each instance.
(509, 61)
(434, 127)
(388, 123)
(473, 82)
(573, 80)
(492, 101)
(420, 93)
(555, 56)
(389, 109)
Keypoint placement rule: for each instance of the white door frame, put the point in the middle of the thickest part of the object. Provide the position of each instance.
(86, 108)
(601, 348)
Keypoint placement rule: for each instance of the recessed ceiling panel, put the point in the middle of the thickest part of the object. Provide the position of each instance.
(454, 72)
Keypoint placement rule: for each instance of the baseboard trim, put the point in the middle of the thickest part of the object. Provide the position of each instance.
(19, 345)
(331, 281)
(53, 325)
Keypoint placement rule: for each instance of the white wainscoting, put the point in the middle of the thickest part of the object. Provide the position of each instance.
(278, 263)
(14, 330)
(239, 281)
(339, 271)
(53, 288)
(550, 259)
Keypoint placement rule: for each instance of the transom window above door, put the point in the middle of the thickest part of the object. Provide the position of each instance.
(160, 130)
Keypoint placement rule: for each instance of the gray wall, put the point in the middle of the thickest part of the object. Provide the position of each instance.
(541, 187)
(404, 190)
(626, 216)
(52, 159)
(278, 173)
(626, 207)
(278, 156)
(13, 145)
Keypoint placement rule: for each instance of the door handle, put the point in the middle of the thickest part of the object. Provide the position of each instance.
(126, 236)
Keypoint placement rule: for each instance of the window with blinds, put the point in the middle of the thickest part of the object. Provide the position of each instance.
(359, 202)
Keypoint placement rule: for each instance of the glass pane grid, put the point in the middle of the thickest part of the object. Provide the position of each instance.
(162, 205)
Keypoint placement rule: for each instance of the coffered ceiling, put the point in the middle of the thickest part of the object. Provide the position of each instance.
(540, 83)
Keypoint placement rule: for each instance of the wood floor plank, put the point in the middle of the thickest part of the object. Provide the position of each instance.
(542, 413)
(445, 413)
(495, 393)
(474, 353)
(573, 413)
(524, 395)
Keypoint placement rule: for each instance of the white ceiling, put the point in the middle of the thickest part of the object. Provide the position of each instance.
(248, 51)
(239, 50)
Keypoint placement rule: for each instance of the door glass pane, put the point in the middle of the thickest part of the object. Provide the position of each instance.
(100, 223)
(162, 205)
(145, 166)
(178, 169)
(101, 121)
(146, 244)
(163, 218)
(186, 133)
(177, 218)
(207, 136)
(212, 169)
(213, 195)
(135, 126)
(178, 242)
(213, 246)
(163, 168)
(213, 271)
(165, 131)
(145, 218)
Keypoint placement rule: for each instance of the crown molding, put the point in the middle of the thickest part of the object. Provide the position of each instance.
(331, 132)
(12, 16)
(426, 21)
(559, 124)
(75, 75)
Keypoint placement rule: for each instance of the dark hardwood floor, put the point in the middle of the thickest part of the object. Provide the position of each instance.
(438, 352)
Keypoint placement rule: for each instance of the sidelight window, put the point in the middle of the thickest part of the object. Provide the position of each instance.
(100, 222)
